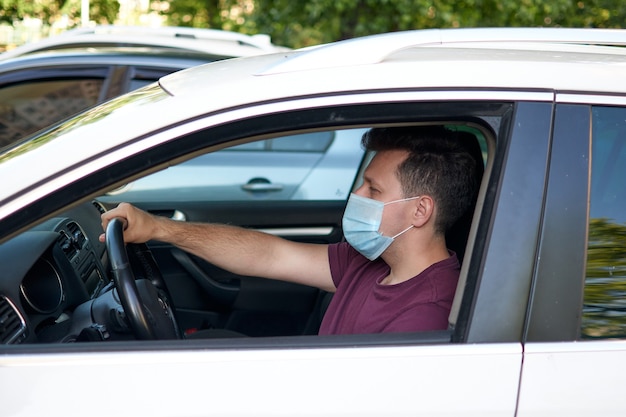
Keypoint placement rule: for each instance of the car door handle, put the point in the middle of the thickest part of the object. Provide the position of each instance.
(220, 292)
(172, 214)
(261, 185)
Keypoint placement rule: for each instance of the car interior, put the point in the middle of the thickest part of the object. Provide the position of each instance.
(70, 287)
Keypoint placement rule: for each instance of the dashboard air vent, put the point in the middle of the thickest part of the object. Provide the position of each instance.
(99, 207)
(66, 244)
(77, 234)
(12, 325)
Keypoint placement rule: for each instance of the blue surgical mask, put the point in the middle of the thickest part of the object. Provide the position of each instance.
(361, 222)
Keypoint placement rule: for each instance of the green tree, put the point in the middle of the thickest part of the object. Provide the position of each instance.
(303, 23)
(101, 11)
(299, 24)
(12, 10)
(197, 13)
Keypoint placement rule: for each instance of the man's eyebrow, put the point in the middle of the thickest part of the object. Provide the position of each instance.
(370, 181)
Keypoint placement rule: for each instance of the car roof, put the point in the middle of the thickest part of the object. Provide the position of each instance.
(112, 55)
(537, 61)
(224, 44)
(582, 60)
(377, 48)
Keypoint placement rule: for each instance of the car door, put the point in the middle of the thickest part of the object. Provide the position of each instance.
(575, 354)
(471, 369)
(483, 376)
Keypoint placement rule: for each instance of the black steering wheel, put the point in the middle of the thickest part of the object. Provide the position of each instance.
(145, 300)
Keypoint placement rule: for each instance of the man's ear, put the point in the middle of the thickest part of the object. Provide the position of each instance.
(424, 211)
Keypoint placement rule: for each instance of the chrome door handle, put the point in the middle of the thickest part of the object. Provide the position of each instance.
(259, 184)
(262, 187)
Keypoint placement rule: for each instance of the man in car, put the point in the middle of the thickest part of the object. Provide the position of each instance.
(394, 273)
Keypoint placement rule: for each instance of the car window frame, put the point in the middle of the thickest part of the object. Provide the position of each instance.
(263, 126)
(557, 285)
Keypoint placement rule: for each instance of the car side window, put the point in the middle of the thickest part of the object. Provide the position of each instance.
(29, 107)
(604, 310)
(298, 167)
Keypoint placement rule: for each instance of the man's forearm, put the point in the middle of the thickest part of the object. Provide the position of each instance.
(241, 251)
(238, 250)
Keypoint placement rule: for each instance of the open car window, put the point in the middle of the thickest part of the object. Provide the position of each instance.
(209, 188)
(301, 167)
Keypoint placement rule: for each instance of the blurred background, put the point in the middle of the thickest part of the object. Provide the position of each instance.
(300, 23)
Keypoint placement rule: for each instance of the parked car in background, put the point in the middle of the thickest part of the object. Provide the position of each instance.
(219, 43)
(46, 81)
(537, 325)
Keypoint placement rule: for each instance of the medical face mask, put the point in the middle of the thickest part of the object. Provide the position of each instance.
(361, 222)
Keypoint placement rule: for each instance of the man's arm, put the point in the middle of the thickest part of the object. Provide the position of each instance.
(238, 250)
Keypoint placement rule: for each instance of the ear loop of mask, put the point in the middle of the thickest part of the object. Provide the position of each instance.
(402, 232)
(398, 201)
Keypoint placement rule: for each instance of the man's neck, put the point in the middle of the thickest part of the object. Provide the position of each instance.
(406, 263)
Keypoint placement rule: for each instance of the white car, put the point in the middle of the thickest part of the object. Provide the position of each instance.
(537, 326)
(44, 82)
(219, 43)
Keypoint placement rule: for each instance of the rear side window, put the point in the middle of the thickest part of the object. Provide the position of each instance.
(29, 107)
(604, 312)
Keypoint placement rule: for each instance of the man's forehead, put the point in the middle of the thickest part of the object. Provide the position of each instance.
(393, 157)
(384, 163)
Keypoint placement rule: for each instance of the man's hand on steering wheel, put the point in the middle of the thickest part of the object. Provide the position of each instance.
(145, 301)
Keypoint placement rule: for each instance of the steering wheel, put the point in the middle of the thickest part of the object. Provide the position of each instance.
(145, 300)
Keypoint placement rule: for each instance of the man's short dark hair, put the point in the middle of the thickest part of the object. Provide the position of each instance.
(442, 164)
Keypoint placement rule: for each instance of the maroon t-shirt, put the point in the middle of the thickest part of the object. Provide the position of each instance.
(362, 305)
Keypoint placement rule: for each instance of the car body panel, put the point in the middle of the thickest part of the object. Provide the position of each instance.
(553, 371)
(561, 237)
(520, 195)
(344, 380)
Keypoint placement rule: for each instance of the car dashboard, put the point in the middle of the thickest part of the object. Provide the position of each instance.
(51, 276)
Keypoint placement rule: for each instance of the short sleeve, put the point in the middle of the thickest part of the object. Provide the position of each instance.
(340, 255)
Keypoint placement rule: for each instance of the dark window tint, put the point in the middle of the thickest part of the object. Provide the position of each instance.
(604, 312)
(28, 107)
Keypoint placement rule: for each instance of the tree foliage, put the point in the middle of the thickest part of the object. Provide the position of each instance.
(101, 11)
(196, 13)
(299, 24)
(303, 23)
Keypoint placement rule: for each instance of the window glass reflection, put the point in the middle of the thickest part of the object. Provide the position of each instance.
(29, 107)
(604, 311)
